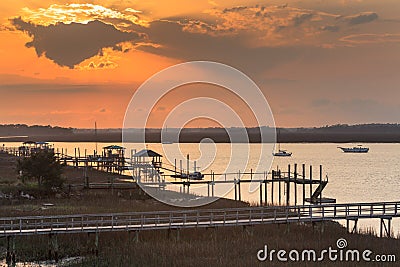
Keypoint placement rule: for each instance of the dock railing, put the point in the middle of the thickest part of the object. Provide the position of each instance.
(138, 221)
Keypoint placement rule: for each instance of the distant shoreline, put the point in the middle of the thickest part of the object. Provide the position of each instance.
(365, 133)
(289, 138)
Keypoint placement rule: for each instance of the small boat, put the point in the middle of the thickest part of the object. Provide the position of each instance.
(282, 153)
(193, 176)
(356, 149)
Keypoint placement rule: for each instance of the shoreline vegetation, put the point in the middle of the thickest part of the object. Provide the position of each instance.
(223, 246)
(341, 133)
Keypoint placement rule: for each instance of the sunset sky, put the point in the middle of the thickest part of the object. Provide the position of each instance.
(71, 63)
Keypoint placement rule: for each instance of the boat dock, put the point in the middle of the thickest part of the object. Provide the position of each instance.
(290, 187)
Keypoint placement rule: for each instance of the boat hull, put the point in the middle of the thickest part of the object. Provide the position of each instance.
(354, 149)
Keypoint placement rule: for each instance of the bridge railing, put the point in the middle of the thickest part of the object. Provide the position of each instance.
(193, 218)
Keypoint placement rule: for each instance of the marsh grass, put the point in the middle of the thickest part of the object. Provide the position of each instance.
(225, 246)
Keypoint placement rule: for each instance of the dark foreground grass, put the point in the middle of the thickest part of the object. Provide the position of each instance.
(228, 246)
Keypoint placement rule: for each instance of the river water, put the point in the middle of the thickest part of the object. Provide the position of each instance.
(369, 177)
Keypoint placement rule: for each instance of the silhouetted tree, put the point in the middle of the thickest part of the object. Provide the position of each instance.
(43, 167)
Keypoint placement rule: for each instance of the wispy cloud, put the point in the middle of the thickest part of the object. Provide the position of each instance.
(361, 18)
(267, 25)
(371, 38)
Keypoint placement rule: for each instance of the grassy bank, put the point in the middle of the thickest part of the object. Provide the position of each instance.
(228, 246)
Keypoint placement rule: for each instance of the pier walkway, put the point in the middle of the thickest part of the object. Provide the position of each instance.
(181, 219)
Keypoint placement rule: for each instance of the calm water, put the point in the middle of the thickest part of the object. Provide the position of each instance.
(374, 176)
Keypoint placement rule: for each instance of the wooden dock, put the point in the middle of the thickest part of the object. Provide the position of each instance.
(181, 219)
(290, 187)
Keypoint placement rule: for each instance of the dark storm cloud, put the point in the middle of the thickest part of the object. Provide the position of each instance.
(70, 44)
(362, 18)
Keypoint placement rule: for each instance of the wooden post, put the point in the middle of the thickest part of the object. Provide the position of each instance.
(304, 184)
(13, 251)
(265, 189)
(76, 165)
(96, 244)
(320, 180)
(8, 255)
(239, 187)
(137, 236)
(279, 188)
(261, 193)
(288, 188)
(310, 182)
(55, 247)
(295, 184)
(212, 185)
(240, 193)
(235, 189)
(187, 165)
(272, 187)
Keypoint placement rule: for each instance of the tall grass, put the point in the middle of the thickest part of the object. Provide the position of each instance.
(225, 246)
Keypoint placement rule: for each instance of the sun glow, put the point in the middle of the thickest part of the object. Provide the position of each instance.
(82, 13)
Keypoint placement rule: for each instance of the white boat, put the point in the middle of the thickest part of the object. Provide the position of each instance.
(356, 149)
(282, 153)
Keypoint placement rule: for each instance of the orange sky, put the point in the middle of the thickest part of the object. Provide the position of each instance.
(70, 63)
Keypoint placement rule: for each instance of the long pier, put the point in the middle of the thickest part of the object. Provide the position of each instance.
(182, 219)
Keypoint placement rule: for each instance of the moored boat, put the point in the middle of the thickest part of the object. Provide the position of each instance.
(356, 149)
(282, 153)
